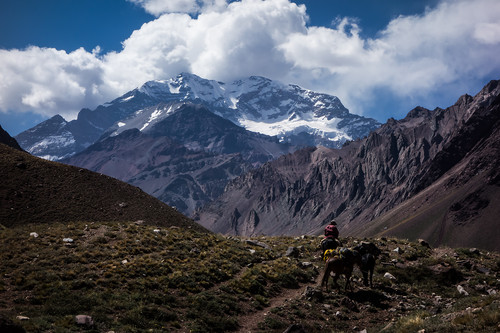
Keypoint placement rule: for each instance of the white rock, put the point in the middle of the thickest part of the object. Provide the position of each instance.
(389, 276)
(84, 320)
(68, 240)
(22, 318)
(34, 234)
(462, 291)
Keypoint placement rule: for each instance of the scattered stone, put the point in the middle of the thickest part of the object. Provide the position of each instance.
(156, 231)
(424, 243)
(313, 294)
(462, 291)
(421, 331)
(389, 276)
(491, 292)
(398, 250)
(483, 270)
(252, 251)
(475, 251)
(447, 273)
(350, 304)
(84, 320)
(363, 331)
(306, 264)
(139, 222)
(33, 234)
(124, 261)
(257, 243)
(295, 328)
(68, 240)
(22, 318)
(122, 204)
(292, 252)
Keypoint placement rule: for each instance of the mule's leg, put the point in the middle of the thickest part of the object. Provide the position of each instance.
(335, 278)
(326, 275)
(371, 277)
(365, 277)
(347, 274)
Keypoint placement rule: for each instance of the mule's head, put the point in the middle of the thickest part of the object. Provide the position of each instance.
(368, 247)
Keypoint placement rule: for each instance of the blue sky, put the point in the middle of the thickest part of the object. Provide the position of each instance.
(380, 57)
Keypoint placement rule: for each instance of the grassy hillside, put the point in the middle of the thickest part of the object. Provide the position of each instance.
(137, 278)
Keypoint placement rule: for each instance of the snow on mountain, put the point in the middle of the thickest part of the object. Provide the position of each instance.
(257, 104)
(295, 115)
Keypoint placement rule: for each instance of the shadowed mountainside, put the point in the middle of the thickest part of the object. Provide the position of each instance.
(301, 192)
(34, 190)
(5, 138)
(185, 160)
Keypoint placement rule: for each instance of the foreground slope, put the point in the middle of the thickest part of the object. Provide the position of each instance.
(34, 190)
(136, 278)
(301, 192)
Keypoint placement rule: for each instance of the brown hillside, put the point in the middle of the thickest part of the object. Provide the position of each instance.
(34, 190)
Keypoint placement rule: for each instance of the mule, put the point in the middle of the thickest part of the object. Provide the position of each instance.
(340, 266)
(369, 253)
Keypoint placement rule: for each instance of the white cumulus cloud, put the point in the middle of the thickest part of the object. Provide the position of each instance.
(414, 57)
(158, 7)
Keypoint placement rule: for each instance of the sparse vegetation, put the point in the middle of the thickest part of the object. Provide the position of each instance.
(137, 278)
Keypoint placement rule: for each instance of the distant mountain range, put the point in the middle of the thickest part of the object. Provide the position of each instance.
(433, 174)
(183, 139)
(292, 114)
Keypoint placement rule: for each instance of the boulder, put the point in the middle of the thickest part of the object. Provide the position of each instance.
(292, 252)
(84, 320)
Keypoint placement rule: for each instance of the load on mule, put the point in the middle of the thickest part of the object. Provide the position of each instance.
(342, 261)
(341, 264)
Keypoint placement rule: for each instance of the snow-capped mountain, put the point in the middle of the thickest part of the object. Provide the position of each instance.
(293, 114)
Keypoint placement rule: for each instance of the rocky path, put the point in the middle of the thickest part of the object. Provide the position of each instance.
(249, 322)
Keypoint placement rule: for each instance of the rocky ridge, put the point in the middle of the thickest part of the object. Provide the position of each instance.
(299, 193)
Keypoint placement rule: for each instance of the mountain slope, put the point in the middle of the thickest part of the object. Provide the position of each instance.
(301, 192)
(34, 190)
(293, 114)
(6, 139)
(185, 159)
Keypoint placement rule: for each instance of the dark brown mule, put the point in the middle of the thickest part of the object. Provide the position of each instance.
(340, 266)
(369, 253)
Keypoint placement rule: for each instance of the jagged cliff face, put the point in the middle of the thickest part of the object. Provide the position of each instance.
(299, 193)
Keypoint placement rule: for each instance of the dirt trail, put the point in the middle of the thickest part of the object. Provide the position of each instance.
(250, 321)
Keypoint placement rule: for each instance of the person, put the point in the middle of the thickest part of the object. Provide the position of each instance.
(330, 242)
(331, 230)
